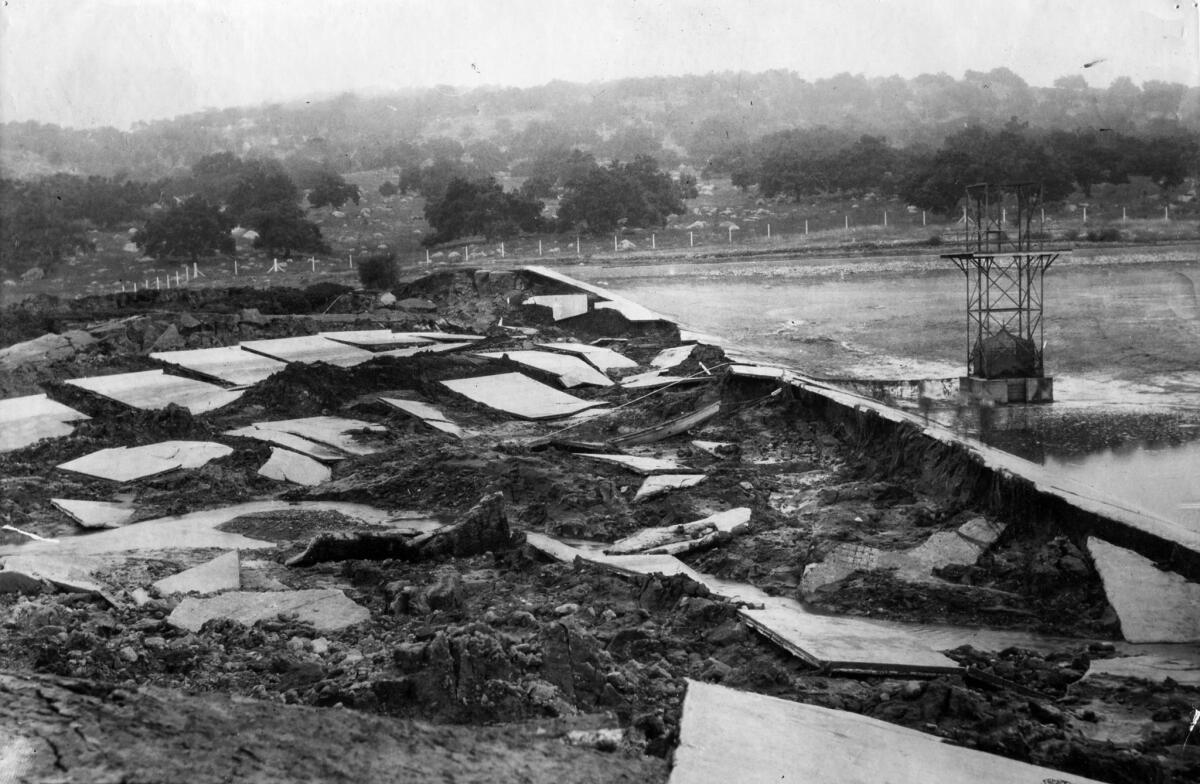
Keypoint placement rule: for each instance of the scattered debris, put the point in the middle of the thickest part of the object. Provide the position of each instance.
(669, 428)
(680, 538)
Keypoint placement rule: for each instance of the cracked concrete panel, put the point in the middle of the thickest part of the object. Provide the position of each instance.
(639, 465)
(1153, 605)
(307, 349)
(571, 371)
(603, 358)
(125, 464)
(325, 608)
(285, 465)
(150, 390)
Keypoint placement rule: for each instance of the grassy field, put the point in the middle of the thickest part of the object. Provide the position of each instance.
(722, 222)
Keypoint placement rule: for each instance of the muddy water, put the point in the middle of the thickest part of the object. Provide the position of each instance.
(1122, 339)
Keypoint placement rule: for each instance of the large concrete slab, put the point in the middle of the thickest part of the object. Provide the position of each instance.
(428, 348)
(628, 308)
(96, 514)
(307, 349)
(193, 531)
(443, 337)
(150, 390)
(285, 465)
(125, 464)
(229, 364)
(571, 371)
(295, 443)
(604, 359)
(562, 306)
(70, 572)
(222, 573)
(326, 609)
(727, 735)
(519, 395)
(27, 420)
(1153, 605)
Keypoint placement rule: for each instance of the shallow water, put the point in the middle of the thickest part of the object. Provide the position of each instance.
(904, 318)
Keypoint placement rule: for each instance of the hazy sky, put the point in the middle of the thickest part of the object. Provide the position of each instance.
(96, 62)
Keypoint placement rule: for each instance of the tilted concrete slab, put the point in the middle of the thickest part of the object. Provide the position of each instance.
(193, 531)
(96, 514)
(428, 348)
(604, 359)
(326, 609)
(562, 306)
(222, 573)
(125, 464)
(666, 565)
(519, 395)
(571, 371)
(28, 419)
(70, 572)
(229, 364)
(656, 378)
(150, 390)
(428, 414)
(285, 465)
(628, 308)
(444, 337)
(1153, 605)
(639, 465)
(295, 443)
(671, 357)
(844, 644)
(727, 735)
(759, 371)
(306, 349)
(657, 485)
(374, 337)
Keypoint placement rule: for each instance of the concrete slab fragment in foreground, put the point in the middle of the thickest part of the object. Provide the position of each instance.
(325, 608)
(1153, 605)
(727, 735)
(29, 419)
(225, 363)
(309, 348)
(150, 390)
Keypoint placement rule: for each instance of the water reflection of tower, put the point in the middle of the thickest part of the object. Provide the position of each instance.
(1005, 263)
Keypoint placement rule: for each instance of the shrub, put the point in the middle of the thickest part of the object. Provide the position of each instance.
(379, 271)
(389, 188)
(1104, 235)
(935, 240)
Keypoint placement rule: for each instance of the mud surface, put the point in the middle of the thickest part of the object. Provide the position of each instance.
(485, 660)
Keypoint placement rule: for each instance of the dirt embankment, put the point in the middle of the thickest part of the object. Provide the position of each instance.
(503, 657)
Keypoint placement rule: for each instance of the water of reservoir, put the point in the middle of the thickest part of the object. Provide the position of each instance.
(1122, 341)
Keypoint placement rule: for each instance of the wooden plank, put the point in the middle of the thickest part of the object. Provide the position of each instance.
(727, 735)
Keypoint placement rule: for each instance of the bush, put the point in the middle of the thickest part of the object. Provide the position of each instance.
(1104, 235)
(322, 295)
(379, 271)
(388, 188)
(935, 240)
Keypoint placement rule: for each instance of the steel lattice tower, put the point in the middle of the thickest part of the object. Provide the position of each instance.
(1005, 264)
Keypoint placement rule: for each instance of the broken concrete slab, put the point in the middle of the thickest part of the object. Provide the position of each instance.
(961, 547)
(728, 735)
(222, 573)
(28, 419)
(671, 357)
(306, 349)
(1182, 666)
(639, 465)
(125, 464)
(69, 572)
(335, 432)
(631, 310)
(604, 359)
(758, 371)
(428, 414)
(229, 364)
(628, 565)
(519, 395)
(444, 337)
(295, 443)
(648, 540)
(571, 371)
(672, 427)
(657, 485)
(1153, 605)
(562, 306)
(326, 609)
(45, 349)
(714, 448)
(96, 514)
(285, 465)
(151, 390)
